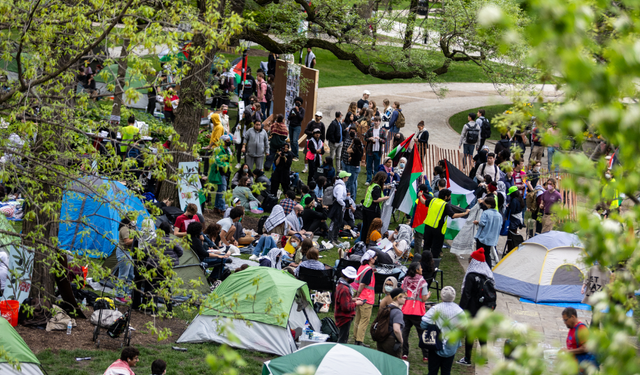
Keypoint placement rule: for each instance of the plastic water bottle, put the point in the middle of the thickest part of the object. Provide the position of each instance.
(84, 303)
(69, 328)
(307, 329)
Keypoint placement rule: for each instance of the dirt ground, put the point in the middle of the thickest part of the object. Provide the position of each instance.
(81, 336)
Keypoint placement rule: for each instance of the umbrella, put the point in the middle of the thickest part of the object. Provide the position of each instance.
(337, 359)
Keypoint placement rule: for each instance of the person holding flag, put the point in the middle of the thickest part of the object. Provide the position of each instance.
(436, 221)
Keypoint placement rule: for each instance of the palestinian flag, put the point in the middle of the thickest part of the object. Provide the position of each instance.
(402, 148)
(406, 193)
(462, 194)
(418, 216)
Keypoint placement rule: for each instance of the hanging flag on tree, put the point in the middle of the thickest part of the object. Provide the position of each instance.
(462, 193)
(402, 147)
(406, 193)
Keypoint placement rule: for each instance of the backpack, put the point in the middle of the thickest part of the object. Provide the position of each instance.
(330, 328)
(269, 94)
(487, 291)
(327, 196)
(534, 135)
(380, 327)
(104, 303)
(118, 327)
(485, 131)
(261, 221)
(172, 213)
(473, 134)
(400, 120)
(531, 201)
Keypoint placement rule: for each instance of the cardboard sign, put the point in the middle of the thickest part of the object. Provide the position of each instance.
(189, 184)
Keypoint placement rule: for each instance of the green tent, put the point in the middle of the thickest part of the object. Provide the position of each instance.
(17, 350)
(190, 269)
(274, 302)
(337, 359)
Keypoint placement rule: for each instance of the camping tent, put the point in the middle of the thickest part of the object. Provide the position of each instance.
(336, 359)
(91, 213)
(270, 300)
(545, 268)
(190, 269)
(18, 350)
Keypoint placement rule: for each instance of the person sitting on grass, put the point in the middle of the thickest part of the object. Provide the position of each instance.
(242, 192)
(158, 367)
(295, 224)
(312, 262)
(273, 258)
(301, 252)
(210, 256)
(313, 219)
(212, 236)
(228, 226)
(374, 232)
(128, 358)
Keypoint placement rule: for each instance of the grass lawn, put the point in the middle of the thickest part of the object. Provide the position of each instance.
(458, 120)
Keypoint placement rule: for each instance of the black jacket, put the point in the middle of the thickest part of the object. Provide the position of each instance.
(470, 299)
(334, 131)
(424, 137)
(311, 126)
(296, 116)
(503, 144)
(309, 216)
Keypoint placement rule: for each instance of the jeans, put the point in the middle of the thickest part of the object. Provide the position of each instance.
(352, 183)
(265, 244)
(550, 152)
(373, 162)
(125, 272)
(437, 363)
(263, 109)
(222, 187)
(335, 151)
(294, 135)
(343, 336)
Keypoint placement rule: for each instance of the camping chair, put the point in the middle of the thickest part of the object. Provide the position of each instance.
(380, 278)
(434, 279)
(344, 263)
(513, 240)
(318, 280)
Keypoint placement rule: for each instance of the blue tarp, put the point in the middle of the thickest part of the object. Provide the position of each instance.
(91, 213)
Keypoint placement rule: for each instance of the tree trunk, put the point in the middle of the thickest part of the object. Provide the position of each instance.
(188, 115)
(119, 89)
(411, 24)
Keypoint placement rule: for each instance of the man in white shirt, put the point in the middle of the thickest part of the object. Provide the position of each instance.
(489, 168)
(310, 62)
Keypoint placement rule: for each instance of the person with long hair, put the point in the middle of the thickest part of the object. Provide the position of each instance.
(353, 109)
(278, 135)
(352, 165)
(373, 234)
(242, 172)
(417, 290)
(372, 202)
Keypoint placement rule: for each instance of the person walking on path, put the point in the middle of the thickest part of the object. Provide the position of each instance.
(445, 315)
(295, 121)
(365, 290)
(477, 274)
(375, 139)
(417, 291)
(334, 137)
(345, 307)
(393, 344)
(489, 227)
(549, 198)
(256, 146)
(436, 221)
(470, 137)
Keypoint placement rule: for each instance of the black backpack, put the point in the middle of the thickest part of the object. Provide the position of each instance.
(269, 94)
(261, 221)
(485, 128)
(473, 133)
(380, 326)
(487, 291)
(330, 328)
(269, 202)
(172, 213)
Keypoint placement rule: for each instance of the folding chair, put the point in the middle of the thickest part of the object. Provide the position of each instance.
(434, 279)
(319, 280)
(513, 240)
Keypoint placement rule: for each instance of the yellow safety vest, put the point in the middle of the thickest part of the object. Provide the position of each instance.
(609, 193)
(127, 133)
(436, 209)
(368, 199)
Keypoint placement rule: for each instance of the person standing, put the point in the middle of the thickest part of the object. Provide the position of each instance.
(477, 274)
(271, 64)
(470, 137)
(417, 291)
(354, 154)
(549, 198)
(314, 124)
(365, 290)
(314, 154)
(345, 307)
(489, 227)
(446, 316)
(248, 88)
(280, 176)
(129, 133)
(310, 61)
(295, 121)
(169, 100)
(422, 136)
(489, 168)
(393, 129)
(336, 213)
(485, 126)
(373, 203)
(334, 137)
(128, 358)
(436, 221)
(375, 139)
(219, 172)
(364, 102)
(577, 338)
(125, 263)
(262, 93)
(256, 146)
(595, 280)
(394, 343)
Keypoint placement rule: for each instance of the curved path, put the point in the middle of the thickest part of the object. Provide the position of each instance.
(419, 102)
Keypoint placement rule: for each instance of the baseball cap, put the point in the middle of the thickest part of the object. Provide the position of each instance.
(319, 114)
(512, 189)
(366, 92)
(317, 130)
(344, 174)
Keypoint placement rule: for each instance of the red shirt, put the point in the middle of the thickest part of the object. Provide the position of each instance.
(345, 308)
(167, 102)
(572, 336)
(182, 222)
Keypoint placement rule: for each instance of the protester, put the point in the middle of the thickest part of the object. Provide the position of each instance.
(393, 121)
(227, 233)
(577, 338)
(373, 233)
(295, 121)
(364, 101)
(311, 262)
(339, 206)
(278, 136)
(310, 61)
(345, 306)
(129, 358)
(423, 135)
(435, 223)
(210, 256)
(294, 222)
(129, 133)
(280, 176)
(489, 227)
(261, 92)
(477, 274)
(334, 137)
(242, 172)
(302, 248)
(375, 139)
(353, 154)
(402, 163)
(373, 201)
(4, 270)
(595, 280)
(220, 171)
(549, 199)
(289, 202)
(485, 127)
(470, 137)
(169, 100)
(394, 343)
(125, 263)
(315, 148)
(365, 290)
(259, 177)
(504, 144)
(256, 146)
(516, 209)
(417, 291)
(273, 258)
(314, 220)
(446, 316)
(158, 367)
(390, 283)
(387, 167)
(489, 168)
(242, 192)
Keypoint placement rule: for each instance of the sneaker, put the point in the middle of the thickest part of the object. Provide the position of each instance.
(253, 257)
(121, 300)
(305, 170)
(405, 357)
(296, 159)
(463, 362)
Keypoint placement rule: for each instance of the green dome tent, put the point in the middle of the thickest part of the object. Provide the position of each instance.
(337, 359)
(17, 350)
(259, 306)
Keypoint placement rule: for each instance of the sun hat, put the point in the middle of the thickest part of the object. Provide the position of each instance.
(350, 272)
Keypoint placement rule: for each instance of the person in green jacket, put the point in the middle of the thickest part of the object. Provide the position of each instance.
(219, 172)
(243, 193)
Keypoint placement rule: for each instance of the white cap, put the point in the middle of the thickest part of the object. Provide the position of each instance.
(350, 272)
(366, 92)
(319, 113)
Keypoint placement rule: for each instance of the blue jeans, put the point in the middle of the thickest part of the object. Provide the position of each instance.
(265, 244)
(294, 135)
(222, 187)
(125, 272)
(550, 152)
(373, 161)
(352, 183)
(263, 109)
